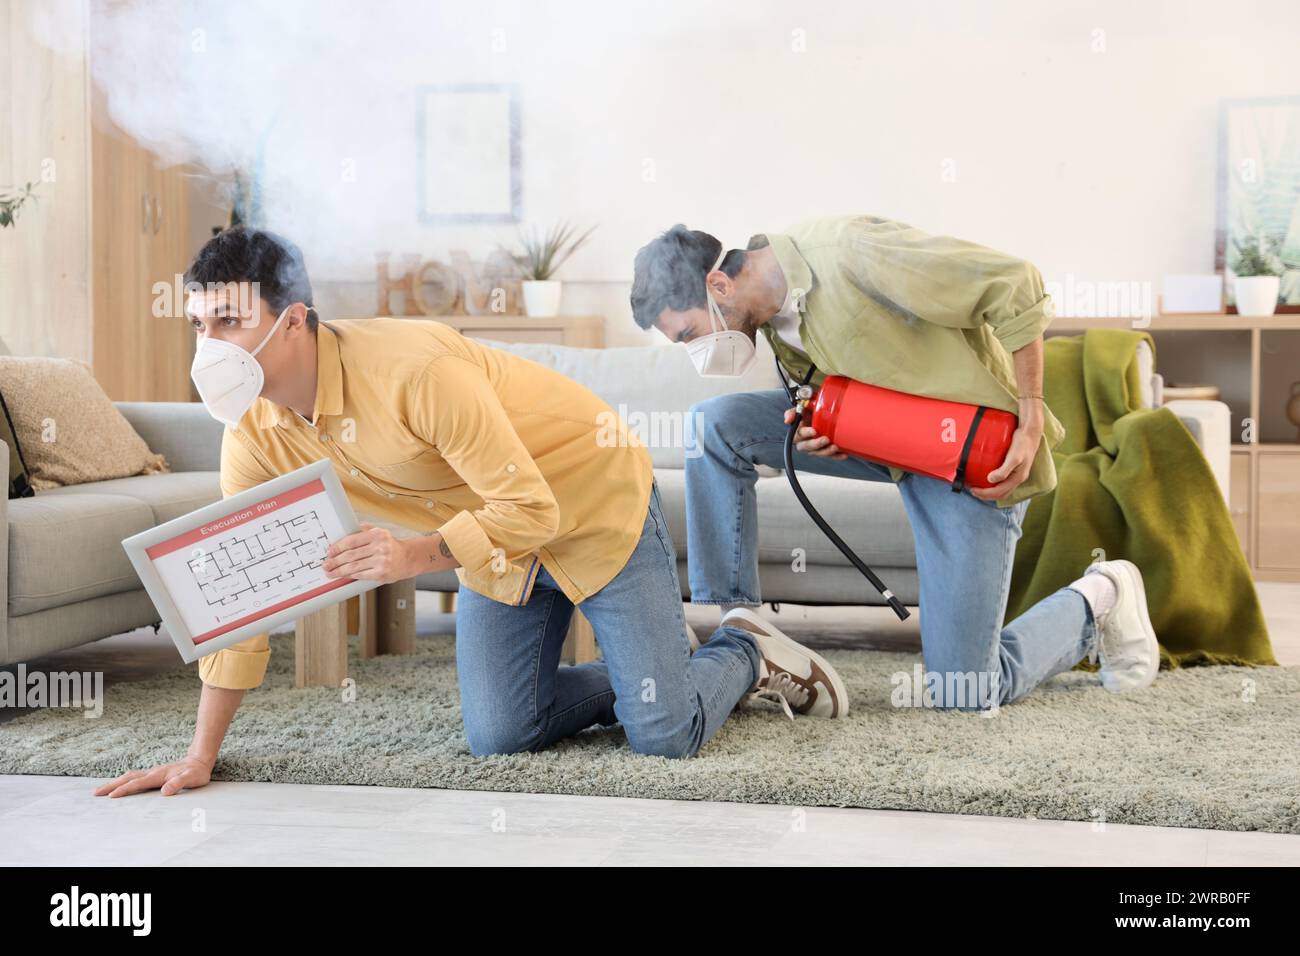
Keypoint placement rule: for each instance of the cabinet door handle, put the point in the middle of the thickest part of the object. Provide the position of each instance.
(157, 215)
(145, 213)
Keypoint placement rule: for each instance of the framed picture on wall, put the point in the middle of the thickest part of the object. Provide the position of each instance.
(1259, 187)
(468, 139)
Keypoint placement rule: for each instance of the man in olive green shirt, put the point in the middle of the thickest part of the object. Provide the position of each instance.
(884, 303)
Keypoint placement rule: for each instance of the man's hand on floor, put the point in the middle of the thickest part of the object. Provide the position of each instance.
(171, 778)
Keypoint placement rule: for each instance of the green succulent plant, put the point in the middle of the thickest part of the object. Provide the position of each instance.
(1255, 258)
(544, 254)
(12, 199)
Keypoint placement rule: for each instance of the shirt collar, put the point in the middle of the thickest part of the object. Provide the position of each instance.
(798, 275)
(329, 386)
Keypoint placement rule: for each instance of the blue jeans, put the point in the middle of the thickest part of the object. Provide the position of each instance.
(964, 552)
(516, 697)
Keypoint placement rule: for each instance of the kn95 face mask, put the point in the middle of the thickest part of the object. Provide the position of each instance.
(724, 352)
(229, 378)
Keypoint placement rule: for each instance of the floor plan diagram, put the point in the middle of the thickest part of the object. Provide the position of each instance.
(249, 564)
(260, 557)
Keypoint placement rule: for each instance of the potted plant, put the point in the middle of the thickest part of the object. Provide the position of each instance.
(1258, 270)
(541, 258)
(12, 199)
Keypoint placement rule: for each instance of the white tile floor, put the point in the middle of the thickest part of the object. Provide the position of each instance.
(56, 820)
(49, 820)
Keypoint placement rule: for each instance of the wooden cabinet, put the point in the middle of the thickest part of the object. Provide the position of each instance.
(1277, 492)
(1239, 492)
(79, 270)
(580, 331)
(139, 251)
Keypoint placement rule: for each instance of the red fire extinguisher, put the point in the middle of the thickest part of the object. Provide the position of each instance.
(951, 441)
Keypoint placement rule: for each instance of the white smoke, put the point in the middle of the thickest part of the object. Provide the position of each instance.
(308, 101)
(316, 102)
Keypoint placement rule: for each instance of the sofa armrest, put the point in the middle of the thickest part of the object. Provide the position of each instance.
(1211, 425)
(182, 432)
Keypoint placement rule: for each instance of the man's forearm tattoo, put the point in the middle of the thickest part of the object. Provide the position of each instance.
(443, 550)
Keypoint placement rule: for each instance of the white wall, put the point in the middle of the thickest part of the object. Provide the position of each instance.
(1081, 135)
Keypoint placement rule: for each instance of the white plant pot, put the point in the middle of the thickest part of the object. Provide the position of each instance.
(542, 299)
(1257, 295)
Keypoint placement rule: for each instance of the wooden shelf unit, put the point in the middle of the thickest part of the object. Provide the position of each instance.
(1180, 322)
(578, 331)
(1265, 479)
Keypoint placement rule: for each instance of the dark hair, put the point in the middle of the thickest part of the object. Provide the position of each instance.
(245, 254)
(669, 272)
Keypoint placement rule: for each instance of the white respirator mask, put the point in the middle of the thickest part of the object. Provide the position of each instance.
(724, 352)
(229, 378)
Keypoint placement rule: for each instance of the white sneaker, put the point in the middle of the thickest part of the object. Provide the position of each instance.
(1126, 642)
(800, 680)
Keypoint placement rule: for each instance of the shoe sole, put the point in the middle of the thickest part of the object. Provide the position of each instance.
(1134, 575)
(840, 692)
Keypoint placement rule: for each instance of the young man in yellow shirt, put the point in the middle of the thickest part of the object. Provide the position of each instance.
(505, 470)
(882, 302)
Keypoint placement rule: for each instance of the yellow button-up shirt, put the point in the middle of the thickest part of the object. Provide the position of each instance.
(515, 465)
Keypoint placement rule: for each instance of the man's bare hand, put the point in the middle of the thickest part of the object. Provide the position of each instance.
(810, 443)
(1031, 414)
(371, 554)
(171, 778)
(1015, 467)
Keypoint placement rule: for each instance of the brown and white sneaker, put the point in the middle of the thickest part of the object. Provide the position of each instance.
(799, 679)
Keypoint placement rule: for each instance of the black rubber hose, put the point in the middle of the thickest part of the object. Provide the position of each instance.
(857, 562)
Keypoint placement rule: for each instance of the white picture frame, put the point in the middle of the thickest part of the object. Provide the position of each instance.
(249, 563)
(1259, 188)
(468, 153)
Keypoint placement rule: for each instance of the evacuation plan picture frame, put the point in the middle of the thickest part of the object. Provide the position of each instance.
(249, 563)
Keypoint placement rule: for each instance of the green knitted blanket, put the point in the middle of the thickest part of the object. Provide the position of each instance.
(1132, 483)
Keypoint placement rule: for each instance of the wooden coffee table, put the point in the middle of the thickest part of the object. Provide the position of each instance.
(385, 620)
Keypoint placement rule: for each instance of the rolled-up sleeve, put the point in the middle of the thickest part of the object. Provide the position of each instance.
(455, 408)
(950, 281)
(241, 666)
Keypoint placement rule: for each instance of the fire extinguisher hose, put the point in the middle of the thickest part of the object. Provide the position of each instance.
(813, 513)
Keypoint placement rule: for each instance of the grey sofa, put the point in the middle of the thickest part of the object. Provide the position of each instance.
(64, 575)
(653, 388)
(65, 579)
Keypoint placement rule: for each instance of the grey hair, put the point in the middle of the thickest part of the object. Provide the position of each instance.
(669, 272)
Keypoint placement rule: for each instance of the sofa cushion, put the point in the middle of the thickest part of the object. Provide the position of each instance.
(69, 431)
(650, 387)
(169, 495)
(67, 547)
(869, 515)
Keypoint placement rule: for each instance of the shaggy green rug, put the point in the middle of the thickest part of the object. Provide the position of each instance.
(1204, 747)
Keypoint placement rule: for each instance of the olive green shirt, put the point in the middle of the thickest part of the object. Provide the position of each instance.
(893, 306)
